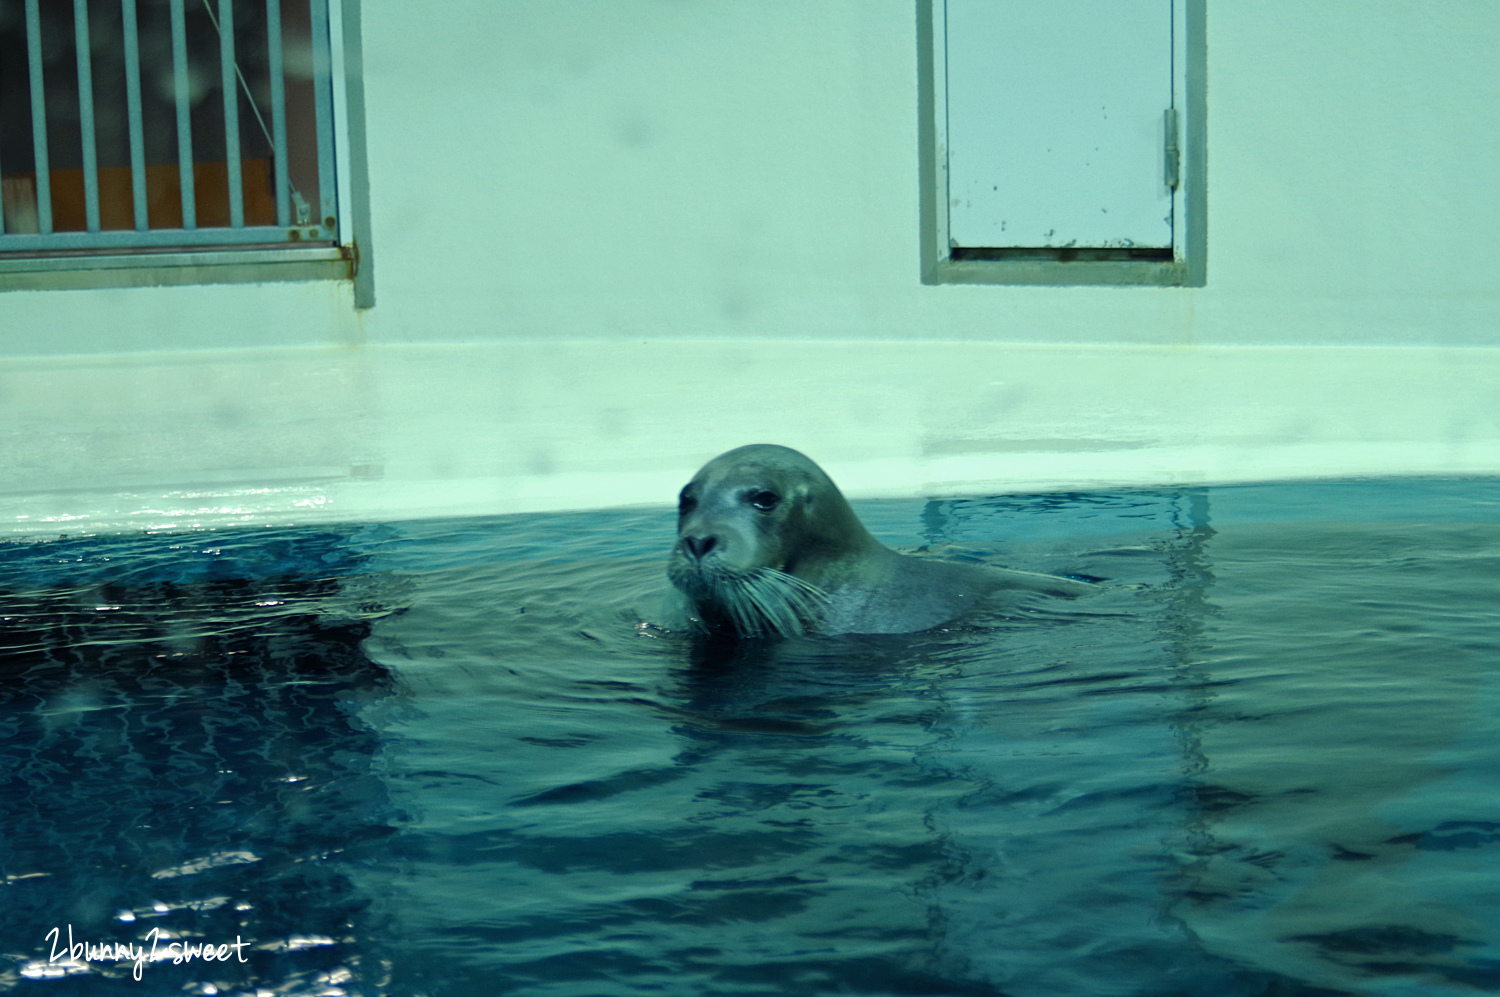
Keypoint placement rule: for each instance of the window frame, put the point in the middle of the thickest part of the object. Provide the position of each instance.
(1188, 266)
(348, 256)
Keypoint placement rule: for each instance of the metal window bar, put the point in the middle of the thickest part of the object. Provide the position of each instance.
(323, 87)
(180, 95)
(86, 112)
(38, 122)
(133, 111)
(287, 200)
(231, 114)
(278, 113)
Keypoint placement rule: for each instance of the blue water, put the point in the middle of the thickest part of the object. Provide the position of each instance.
(454, 757)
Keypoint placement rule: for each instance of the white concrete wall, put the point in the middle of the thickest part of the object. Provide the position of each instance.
(732, 176)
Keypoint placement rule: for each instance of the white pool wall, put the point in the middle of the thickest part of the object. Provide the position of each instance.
(612, 238)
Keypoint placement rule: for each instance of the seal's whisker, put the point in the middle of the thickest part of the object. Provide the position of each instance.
(762, 601)
(743, 604)
(770, 599)
(786, 602)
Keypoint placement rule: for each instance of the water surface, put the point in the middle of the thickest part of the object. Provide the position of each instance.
(452, 757)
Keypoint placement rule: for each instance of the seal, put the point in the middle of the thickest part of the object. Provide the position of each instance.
(768, 546)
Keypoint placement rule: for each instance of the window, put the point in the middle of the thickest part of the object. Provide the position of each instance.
(1062, 141)
(175, 141)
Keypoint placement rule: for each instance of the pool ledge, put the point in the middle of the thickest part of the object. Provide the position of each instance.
(364, 433)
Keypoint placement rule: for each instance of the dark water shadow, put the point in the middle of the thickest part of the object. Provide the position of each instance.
(181, 752)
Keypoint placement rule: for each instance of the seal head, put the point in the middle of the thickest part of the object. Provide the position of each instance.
(758, 530)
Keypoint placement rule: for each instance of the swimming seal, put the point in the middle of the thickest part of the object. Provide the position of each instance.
(768, 546)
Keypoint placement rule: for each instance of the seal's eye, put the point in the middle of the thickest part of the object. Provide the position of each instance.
(764, 501)
(686, 504)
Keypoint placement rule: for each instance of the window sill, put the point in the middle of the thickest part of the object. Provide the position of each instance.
(1148, 273)
(239, 265)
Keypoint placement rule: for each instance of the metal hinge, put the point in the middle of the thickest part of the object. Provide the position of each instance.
(1173, 157)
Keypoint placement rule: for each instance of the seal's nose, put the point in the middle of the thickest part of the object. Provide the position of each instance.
(698, 547)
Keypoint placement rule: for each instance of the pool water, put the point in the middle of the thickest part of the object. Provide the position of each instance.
(448, 758)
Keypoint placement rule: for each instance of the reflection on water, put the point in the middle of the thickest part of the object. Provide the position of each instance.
(1347, 789)
(451, 758)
